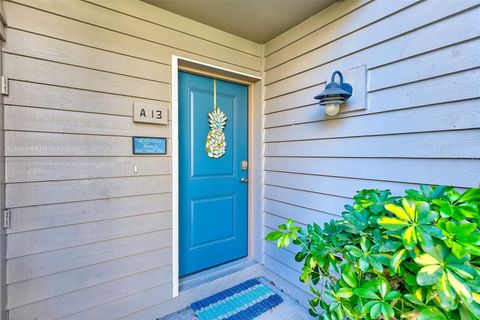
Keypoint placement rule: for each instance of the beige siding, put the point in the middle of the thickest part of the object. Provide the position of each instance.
(422, 120)
(91, 239)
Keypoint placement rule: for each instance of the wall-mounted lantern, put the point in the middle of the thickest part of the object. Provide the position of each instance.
(334, 94)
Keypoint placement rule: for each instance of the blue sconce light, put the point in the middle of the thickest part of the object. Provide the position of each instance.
(334, 94)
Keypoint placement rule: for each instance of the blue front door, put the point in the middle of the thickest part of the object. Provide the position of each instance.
(213, 198)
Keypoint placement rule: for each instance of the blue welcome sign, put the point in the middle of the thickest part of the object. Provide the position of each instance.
(147, 145)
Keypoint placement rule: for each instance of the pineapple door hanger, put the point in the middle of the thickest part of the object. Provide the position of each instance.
(215, 144)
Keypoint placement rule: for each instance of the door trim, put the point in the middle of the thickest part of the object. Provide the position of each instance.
(254, 85)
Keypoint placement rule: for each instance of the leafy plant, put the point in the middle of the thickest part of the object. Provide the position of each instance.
(410, 257)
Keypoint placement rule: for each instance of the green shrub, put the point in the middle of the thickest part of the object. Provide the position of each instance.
(411, 257)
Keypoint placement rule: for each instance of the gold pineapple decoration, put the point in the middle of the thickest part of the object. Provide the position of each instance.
(215, 144)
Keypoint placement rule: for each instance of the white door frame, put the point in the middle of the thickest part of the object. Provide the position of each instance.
(253, 82)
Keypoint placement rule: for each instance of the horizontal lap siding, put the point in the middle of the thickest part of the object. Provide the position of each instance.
(391, 50)
(421, 124)
(90, 237)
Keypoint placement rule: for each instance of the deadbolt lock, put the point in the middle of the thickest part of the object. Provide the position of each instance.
(244, 165)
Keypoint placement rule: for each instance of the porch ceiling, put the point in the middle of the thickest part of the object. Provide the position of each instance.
(255, 20)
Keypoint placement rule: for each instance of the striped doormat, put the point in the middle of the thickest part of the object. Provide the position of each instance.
(245, 301)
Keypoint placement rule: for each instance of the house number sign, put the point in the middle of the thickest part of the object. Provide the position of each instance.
(150, 113)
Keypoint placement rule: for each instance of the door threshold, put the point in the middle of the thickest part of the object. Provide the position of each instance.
(214, 273)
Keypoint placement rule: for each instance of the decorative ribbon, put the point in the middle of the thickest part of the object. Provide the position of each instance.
(214, 95)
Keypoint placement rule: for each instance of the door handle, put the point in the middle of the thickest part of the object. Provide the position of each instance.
(244, 180)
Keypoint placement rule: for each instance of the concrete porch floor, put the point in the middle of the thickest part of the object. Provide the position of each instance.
(289, 309)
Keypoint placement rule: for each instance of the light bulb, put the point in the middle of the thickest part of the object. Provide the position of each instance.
(332, 108)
